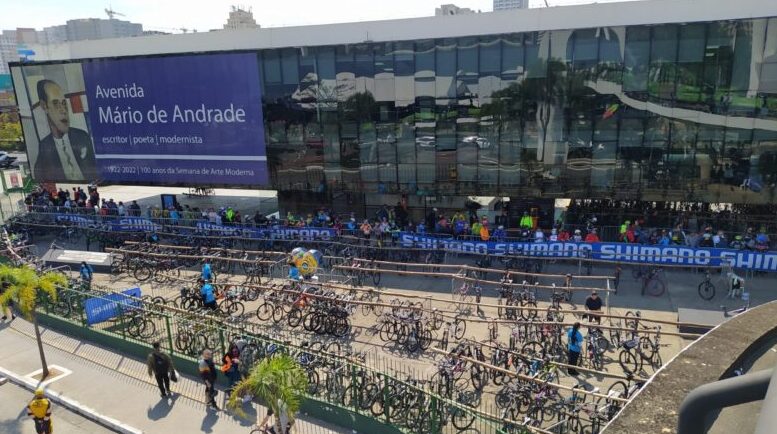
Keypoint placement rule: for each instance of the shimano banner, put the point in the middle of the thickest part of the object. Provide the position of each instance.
(111, 305)
(274, 233)
(630, 253)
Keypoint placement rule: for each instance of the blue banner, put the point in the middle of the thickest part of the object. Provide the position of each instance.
(78, 220)
(111, 305)
(137, 224)
(274, 233)
(192, 119)
(622, 252)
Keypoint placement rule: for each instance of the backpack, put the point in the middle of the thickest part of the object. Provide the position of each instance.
(161, 364)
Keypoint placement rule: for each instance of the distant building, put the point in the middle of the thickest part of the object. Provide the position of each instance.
(240, 18)
(451, 9)
(91, 28)
(500, 5)
(154, 32)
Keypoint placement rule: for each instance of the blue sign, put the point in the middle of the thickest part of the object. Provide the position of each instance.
(138, 224)
(194, 119)
(622, 252)
(111, 305)
(78, 220)
(274, 233)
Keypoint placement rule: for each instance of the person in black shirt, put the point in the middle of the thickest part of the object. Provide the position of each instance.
(593, 307)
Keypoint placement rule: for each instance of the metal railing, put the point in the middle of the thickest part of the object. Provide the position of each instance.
(342, 387)
(705, 400)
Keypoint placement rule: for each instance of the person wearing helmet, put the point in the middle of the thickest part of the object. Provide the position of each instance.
(499, 234)
(762, 241)
(592, 237)
(737, 243)
(578, 236)
(40, 411)
(706, 240)
(623, 228)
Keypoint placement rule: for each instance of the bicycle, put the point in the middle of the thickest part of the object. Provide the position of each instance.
(706, 287)
(653, 283)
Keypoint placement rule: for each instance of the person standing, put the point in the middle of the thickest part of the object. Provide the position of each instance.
(230, 366)
(86, 275)
(160, 364)
(40, 411)
(208, 375)
(575, 341)
(593, 307)
(208, 295)
(207, 273)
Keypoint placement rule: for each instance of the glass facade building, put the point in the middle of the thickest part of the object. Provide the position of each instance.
(650, 112)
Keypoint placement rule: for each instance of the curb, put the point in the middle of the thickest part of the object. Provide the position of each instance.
(71, 404)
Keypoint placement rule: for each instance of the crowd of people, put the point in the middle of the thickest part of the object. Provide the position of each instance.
(692, 225)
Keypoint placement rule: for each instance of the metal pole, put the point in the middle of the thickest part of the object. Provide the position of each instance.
(767, 420)
(706, 399)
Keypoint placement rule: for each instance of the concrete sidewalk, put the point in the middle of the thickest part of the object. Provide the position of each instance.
(119, 387)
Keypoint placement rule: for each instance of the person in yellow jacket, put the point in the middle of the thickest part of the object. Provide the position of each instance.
(40, 411)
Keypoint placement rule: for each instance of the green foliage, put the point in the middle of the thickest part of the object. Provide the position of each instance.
(10, 132)
(25, 286)
(276, 379)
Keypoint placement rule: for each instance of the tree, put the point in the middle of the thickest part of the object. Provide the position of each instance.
(279, 382)
(10, 132)
(25, 287)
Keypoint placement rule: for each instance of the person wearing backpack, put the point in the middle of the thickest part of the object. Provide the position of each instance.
(161, 366)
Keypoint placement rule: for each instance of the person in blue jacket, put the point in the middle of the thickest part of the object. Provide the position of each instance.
(574, 346)
(208, 295)
(86, 275)
(207, 274)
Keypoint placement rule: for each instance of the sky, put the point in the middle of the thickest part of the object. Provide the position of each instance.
(203, 15)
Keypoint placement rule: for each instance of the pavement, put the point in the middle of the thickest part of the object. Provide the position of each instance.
(14, 419)
(119, 388)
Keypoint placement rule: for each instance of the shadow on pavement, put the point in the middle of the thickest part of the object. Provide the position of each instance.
(209, 420)
(161, 409)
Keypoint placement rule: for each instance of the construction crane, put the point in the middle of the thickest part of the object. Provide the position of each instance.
(111, 13)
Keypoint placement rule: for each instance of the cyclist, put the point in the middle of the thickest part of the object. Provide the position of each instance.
(86, 275)
(40, 411)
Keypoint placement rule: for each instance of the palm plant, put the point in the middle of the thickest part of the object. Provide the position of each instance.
(24, 286)
(279, 382)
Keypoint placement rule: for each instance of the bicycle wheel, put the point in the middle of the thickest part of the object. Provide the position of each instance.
(619, 389)
(460, 328)
(461, 418)
(294, 318)
(655, 287)
(264, 311)
(143, 273)
(629, 361)
(706, 290)
(376, 278)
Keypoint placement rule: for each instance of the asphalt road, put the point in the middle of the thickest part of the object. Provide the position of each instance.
(14, 420)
